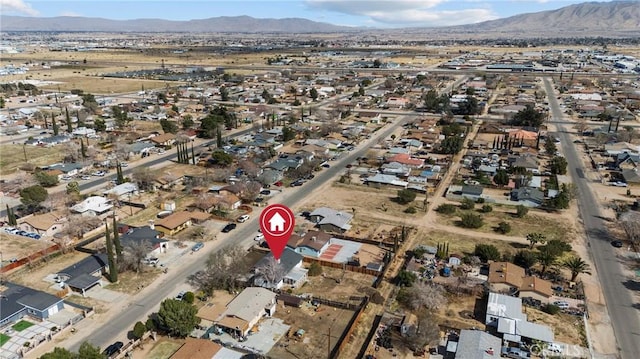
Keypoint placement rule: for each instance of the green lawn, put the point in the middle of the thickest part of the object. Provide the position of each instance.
(21, 325)
(164, 349)
(3, 339)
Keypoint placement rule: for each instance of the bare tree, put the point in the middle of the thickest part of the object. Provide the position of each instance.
(204, 202)
(56, 200)
(144, 177)
(271, 271)
(134, 254)
(222, 271)
(251, 191)
(581, 126)
(429, 296)
(630, 222)
(203, 232)
(123, 150)
(250, 168)
(71, 152)
(78, 225)
(425, 332)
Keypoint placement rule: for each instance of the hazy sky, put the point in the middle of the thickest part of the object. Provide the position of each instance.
(388, 13)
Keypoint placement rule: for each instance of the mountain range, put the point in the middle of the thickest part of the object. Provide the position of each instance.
(615, 18)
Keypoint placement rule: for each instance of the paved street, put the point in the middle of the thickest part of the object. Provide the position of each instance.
(624, 317)
(146, 302)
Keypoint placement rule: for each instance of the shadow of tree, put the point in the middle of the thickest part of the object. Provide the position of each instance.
(632, 285)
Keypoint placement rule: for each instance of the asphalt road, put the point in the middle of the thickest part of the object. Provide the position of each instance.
(624, 317)
(145, 304)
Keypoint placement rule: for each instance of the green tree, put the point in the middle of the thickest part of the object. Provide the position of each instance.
(45, 180)
(187, 122)
(224, 93)
(221, 158)
(405, 196)
(168, 126)
(577, 266)
(83, 149)
(405, 278)
(451, 145)
(525, 259)
(313, 93)
(471, 220)
(33, 195)
(113, 265)
(2, 102)
(487, 252)
(487, 208)
(521, 211)
(138, 330)
(90, 103)
(88, 351)
(68, 118)
(528, 116)
(178, 317)
(551, 309)
(73, 188)
(503, 227)
(99, 125)
(116, 240)
(546, 258)
(54, 125)
(558, 165)
(550, 147)
(501, 178)
(556, 247)
(446, 208)
(59, 353)
(288, 134)
(535, 238)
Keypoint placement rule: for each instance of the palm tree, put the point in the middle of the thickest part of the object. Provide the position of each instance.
(535, 238)
(577, 266)
(546, 260)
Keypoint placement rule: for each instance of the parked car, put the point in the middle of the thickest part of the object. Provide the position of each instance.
(513, 352)
(85, 177)
(151, 261)
(617, 244)
(198, 246)
(181, 295)
(265, 192)
(229, 227)
(561, 304)
(258, 237)
(99, 173)
(243, 218)
(326, 165)
(113, 349)
(554, 348)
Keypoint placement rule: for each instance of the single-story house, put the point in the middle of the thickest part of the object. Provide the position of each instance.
(19, 301)
(174, 223)
(93, 206)
(505, 276)
(380, 179)
(407, 160)
(122, 190)
(330, 220)
(310, 244)
(67, 169)
(143, 235)
(85, 274)
(246, 309)
(631, 177)
(528, 196)
(536, 288)
(46, 224)
(166, 139)
(503, 306)
(289, 271)
(475, 344)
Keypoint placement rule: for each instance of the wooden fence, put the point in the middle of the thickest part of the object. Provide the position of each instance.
(346, 334)
(348, 267)
(30, 258)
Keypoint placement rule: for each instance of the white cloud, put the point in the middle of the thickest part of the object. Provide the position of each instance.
(405, 12)
(17, 6)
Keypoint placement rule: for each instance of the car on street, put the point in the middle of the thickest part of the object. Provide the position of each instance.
(113, 349)
(616, 243)
(265, 192)
(326, 165)
(99, 173)
(258, 237)
(85, 177)
(229, 227)
(243, 218)
(198, 246)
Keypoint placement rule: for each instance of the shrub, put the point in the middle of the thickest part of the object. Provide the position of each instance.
(150, 324)
(446, 208)
(480, 200)
(467, 203)
(138, 330)
(405, 279)
(410, 210)
(551, 309)
(487, 208)
(189, 297)
(315, 269)
(471, 220)
(521, 211)
(487, 252)
(503, 227)
(405, 196)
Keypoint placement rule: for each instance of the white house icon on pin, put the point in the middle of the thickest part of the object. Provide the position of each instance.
(276, 223)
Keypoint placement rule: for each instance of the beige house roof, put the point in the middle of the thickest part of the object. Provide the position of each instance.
(507, 273)
(537, 285)
(197, 349)
(174, 220)
(44, 221)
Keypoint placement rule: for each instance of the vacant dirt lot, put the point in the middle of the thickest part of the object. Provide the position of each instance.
(322, 327)
(18, 246)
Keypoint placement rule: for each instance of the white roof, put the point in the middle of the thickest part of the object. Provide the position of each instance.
(94, 203)
(124, 188)
(250, 303)
(500, 305)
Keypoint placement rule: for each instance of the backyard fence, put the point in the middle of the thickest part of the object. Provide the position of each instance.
(30, 258)
(346, 334)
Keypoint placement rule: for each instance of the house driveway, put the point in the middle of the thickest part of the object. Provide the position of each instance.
(104, 294)
(270, 330)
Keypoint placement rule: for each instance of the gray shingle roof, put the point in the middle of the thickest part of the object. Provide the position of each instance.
(88, 265)
(474, 344)
(15, 297)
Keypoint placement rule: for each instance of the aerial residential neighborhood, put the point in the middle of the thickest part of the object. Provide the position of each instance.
(454, 196)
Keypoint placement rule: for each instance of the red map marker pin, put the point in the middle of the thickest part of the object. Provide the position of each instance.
(277, 222)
